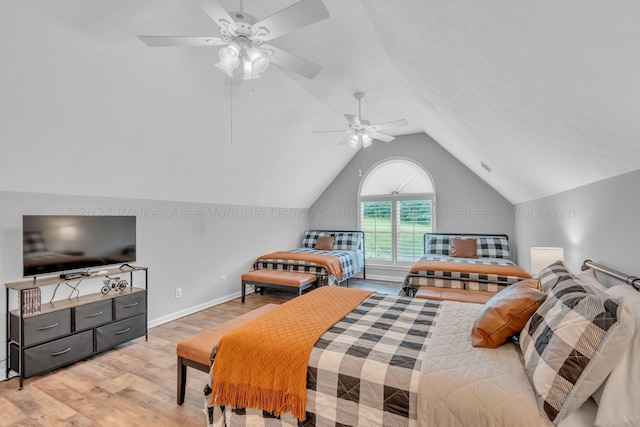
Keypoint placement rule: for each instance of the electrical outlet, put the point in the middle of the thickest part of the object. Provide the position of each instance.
(223, 280)
(178, 292)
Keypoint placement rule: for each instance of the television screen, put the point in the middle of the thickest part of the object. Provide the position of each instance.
(56, 243)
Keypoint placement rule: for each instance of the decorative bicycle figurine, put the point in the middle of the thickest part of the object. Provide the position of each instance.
(113, 283)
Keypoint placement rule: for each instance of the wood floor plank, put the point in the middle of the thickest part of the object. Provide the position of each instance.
(134, 384)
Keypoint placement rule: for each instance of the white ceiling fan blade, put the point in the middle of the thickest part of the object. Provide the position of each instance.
(331, 131)
(298, 15)
(292, 62)
(388, 125)
(217, 13)
(353, 120)
(180, 41)
(381, 136)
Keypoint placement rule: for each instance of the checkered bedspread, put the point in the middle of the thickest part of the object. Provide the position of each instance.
(461, 280)
(347, 259)
(363, 371)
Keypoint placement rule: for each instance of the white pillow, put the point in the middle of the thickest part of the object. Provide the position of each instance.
(619, 397)
(588, 277)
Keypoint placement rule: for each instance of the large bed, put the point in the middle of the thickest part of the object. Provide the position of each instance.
(332, 267)
(489, 269)
(394, 360)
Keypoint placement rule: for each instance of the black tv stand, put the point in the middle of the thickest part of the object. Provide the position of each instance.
(88, 324)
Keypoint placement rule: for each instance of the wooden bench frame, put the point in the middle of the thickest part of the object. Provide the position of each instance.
(183, 362)
(287, 288)
(182, 375)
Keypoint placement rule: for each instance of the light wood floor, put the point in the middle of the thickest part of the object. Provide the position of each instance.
(135, 384)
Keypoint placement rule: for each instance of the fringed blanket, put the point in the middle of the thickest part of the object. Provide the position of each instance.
(263, 363)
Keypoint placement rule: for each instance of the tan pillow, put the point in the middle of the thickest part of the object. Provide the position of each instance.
(464, 248)
(504, 315)
(325, 243)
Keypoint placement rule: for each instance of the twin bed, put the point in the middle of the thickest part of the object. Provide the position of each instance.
(395, 360)
(490, 267)
(331, 267)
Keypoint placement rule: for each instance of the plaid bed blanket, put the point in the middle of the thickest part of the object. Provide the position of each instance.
(460, 280)
(364, 371)
(349, 264)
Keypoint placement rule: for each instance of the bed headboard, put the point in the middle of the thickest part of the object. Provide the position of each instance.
(489, 245)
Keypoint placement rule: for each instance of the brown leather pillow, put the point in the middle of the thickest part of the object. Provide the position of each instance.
(504, 315)
(464, 248)
(325, 243)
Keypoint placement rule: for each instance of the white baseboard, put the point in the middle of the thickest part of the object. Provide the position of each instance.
(178, 314)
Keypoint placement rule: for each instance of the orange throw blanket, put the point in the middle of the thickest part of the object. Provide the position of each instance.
(500, 270)
(332, 263)
(263, 363)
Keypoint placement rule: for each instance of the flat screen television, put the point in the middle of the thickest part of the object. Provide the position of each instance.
(59, 243)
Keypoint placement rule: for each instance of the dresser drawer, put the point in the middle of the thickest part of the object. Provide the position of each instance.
(43, 327)
(129, 305)
(90, 315)
(60, 352)
(119, 332)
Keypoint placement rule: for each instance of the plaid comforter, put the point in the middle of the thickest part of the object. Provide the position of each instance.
(364, 371)
(347, 259)
(460, 280)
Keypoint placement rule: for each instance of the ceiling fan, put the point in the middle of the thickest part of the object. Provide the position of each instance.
(243, 36)
(362, 132)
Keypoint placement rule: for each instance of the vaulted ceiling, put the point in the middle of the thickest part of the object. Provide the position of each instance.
(545, 93)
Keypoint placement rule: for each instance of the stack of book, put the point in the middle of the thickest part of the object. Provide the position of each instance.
(31, 301)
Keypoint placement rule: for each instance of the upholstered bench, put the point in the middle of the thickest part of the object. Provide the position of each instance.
(196, 351)
(275, 279)
(451, 294)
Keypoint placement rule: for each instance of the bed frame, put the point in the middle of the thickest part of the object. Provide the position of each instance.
(410, 290)
(320, 272)
(629, 280)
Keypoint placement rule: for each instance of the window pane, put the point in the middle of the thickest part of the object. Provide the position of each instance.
(414, 218)
(376, 224)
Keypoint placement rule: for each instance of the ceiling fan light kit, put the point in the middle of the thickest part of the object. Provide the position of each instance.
(362, 132)
(242, 36)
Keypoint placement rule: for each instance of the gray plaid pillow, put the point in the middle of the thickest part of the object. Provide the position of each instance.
(311, 237)
(493, 247)
(438, 245)
(347, 241)
(550, 275)
(571, 343)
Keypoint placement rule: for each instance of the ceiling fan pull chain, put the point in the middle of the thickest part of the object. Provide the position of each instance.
(231, 114)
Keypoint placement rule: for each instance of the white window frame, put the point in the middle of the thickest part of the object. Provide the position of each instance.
(394, 198)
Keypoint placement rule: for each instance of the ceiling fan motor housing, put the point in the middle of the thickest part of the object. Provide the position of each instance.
(244, 23)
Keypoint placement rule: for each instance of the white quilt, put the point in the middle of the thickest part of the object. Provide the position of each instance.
(463, 386)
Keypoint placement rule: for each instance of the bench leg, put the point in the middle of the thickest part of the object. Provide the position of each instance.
(244, 290)
(182, 380)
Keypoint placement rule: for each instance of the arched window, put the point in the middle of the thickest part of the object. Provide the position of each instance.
(397, 206)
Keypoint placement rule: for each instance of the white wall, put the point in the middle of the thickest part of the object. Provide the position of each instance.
(187, 245)
(599, 221)
(464, 202)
